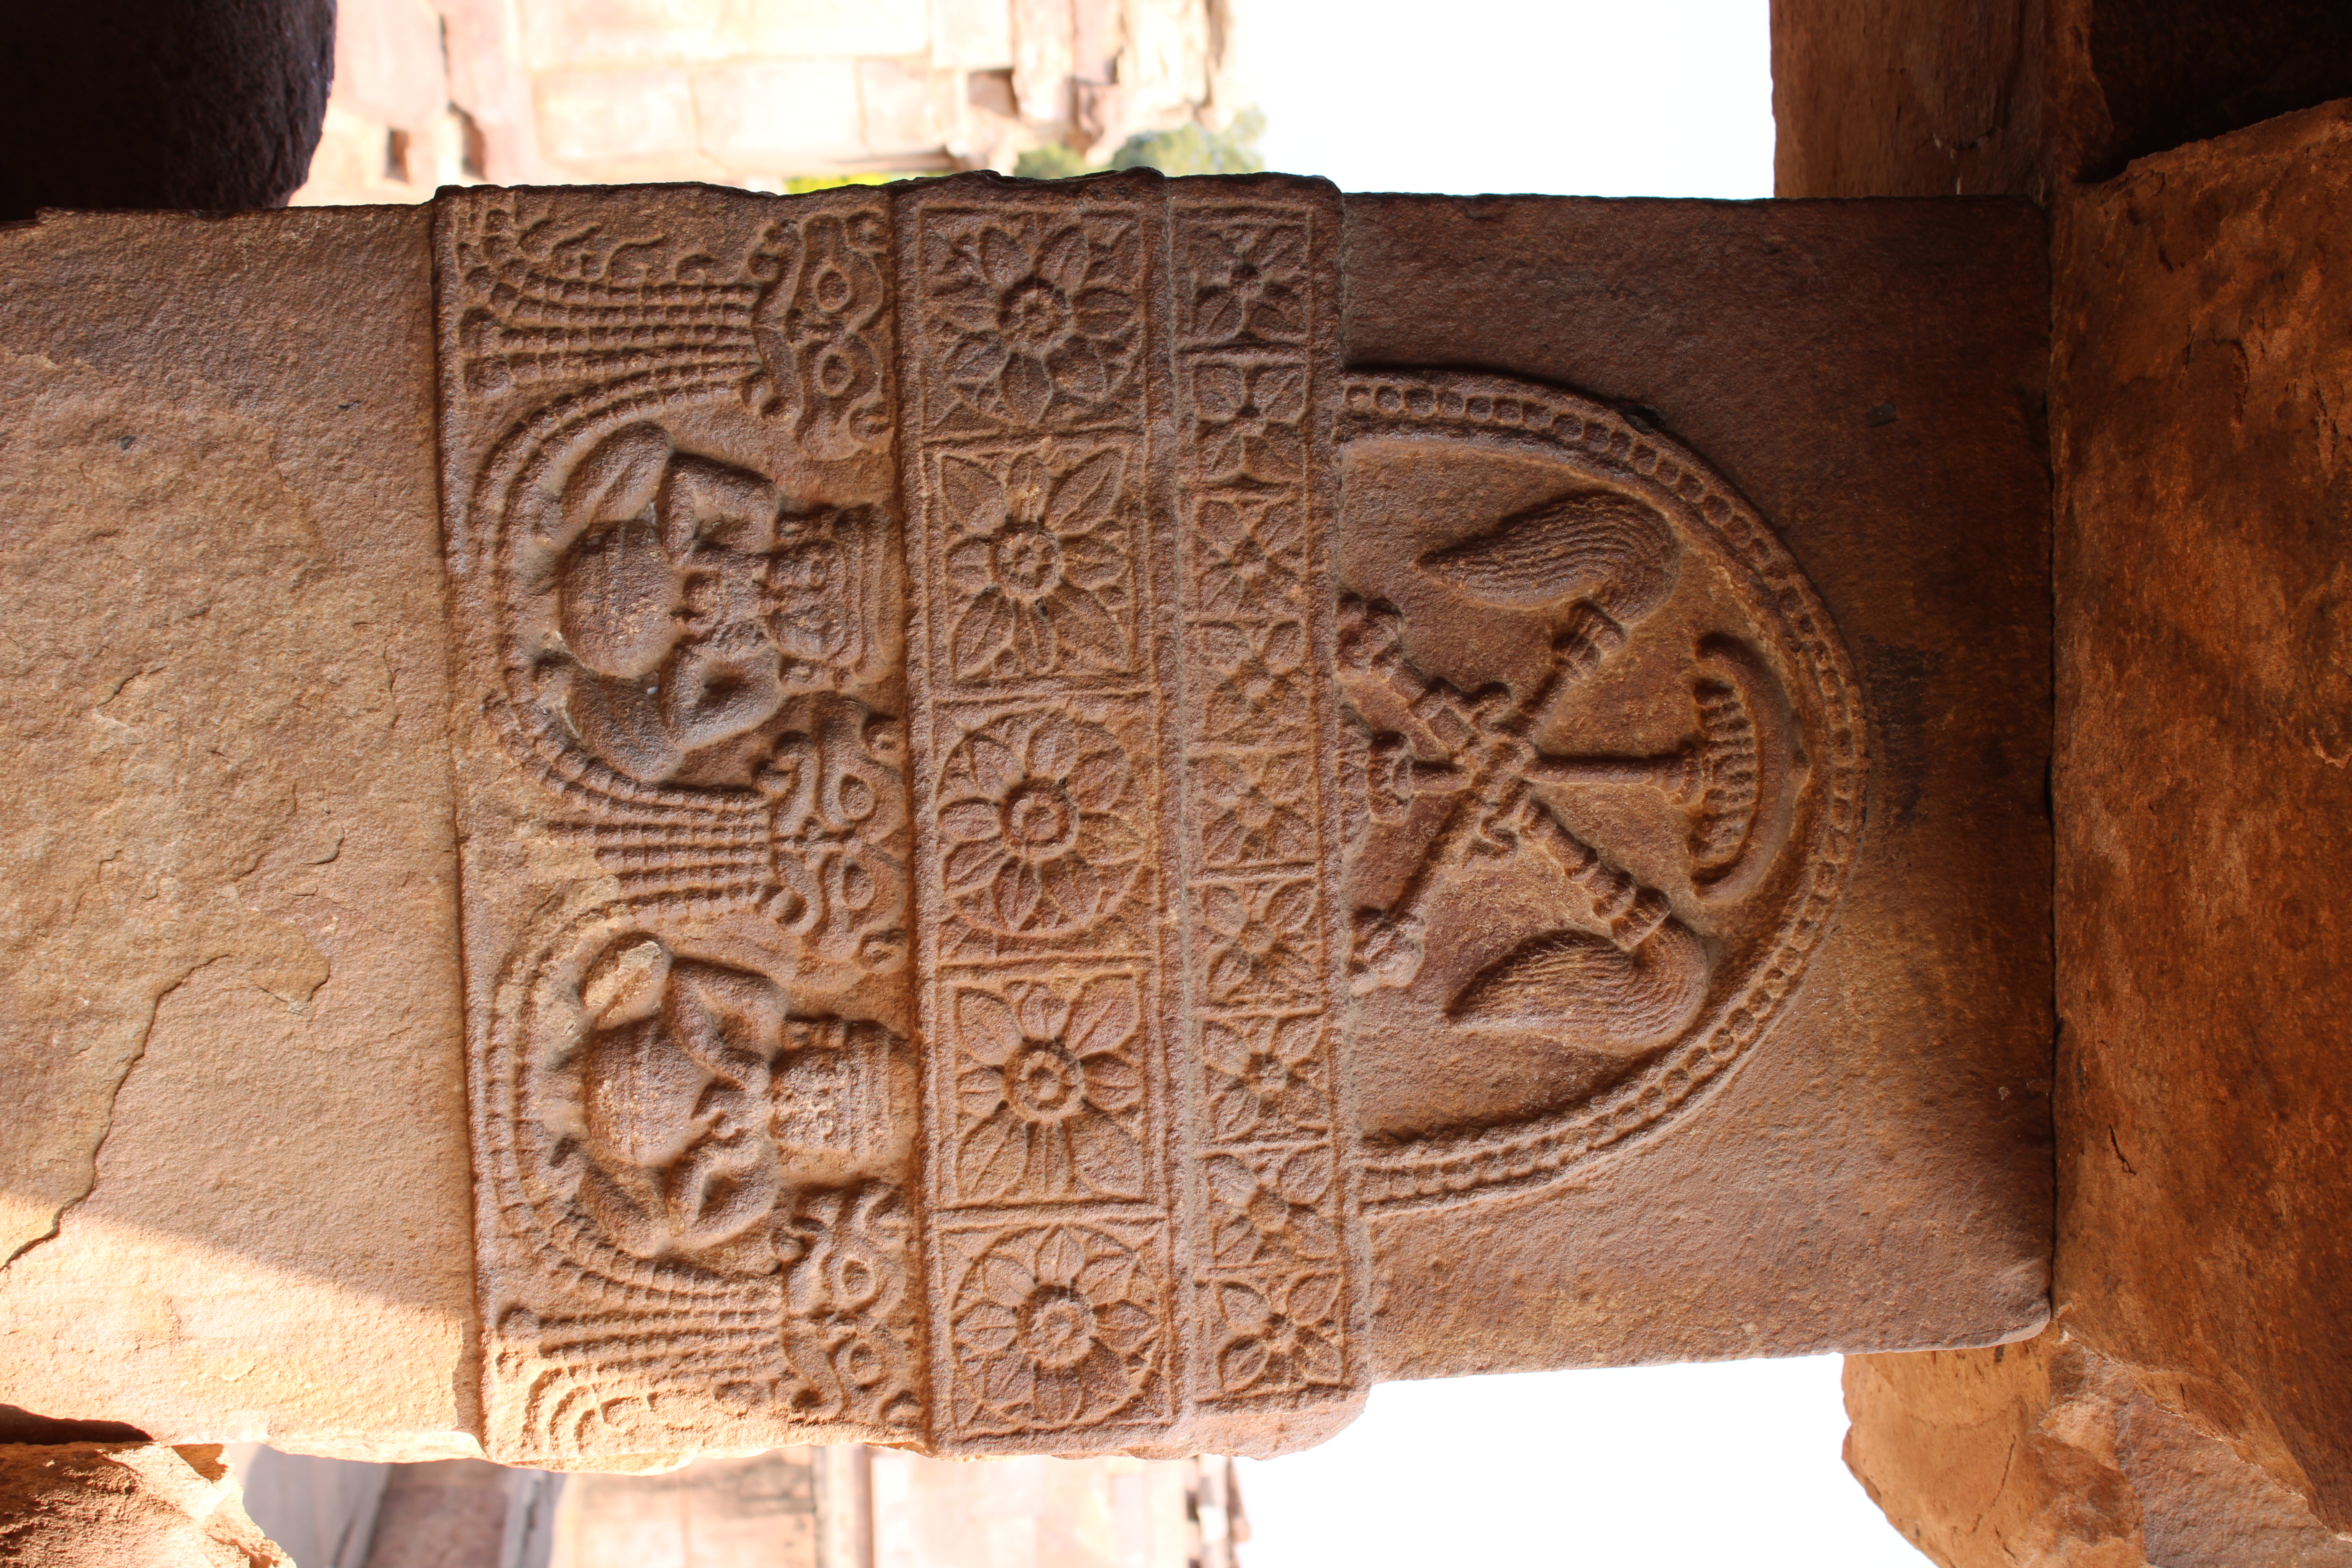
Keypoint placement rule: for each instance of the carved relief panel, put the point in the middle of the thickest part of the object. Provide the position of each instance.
(674, 551)
(976, 879)
(1605, 753)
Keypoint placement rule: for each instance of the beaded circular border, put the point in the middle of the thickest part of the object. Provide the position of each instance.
(1523, 418)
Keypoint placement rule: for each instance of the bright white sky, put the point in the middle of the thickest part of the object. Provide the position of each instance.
(1639, 98)
(1640, 1468)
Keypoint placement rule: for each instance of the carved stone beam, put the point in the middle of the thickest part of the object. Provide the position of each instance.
(1052, 855)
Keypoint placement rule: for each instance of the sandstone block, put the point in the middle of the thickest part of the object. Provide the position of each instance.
(779, 113)
(897, 107)
(2201, 333)
(562, 35)
(827, 28)
(1885, 98)
(1061, 854)
(236, 1167)
(1924, 1019)
(608, 116)
(565, 34)
(388, 61)
(971, 34)
(163, 104)
(2047, 1455)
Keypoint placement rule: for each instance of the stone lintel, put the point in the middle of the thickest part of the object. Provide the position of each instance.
(985, 824)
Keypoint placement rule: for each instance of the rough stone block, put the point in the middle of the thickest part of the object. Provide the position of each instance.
(388, 61)
(2047, 1455)
(94, 1505)
(971, 34)
(897, 108)
(235, 1168)
(778, 114)
(568, 35)
(2203, 339)
(1809, 352)
(163, 104)
(821, 28)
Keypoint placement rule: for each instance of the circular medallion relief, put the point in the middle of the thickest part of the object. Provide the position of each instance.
(1604, 756)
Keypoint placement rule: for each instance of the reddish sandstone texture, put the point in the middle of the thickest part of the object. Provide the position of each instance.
(1012, 808)
(2047, 1455)
(117, 1505)
(1881, 98)
(2203, 335)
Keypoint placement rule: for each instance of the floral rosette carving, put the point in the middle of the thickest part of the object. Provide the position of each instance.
(1038, 313)
(1250, 422)
(1038, 568)
(1282, 1334)
(1256, 807)
(1265, 950)
(1249, 283)
(1251, 554)
(1034, 825)
(1265, 1077)
(1268, 1207)
(1050, 1085)
(1263, 689)
(1057, 1326)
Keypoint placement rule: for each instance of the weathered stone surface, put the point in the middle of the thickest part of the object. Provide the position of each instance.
(2047, 1455)
(1817, 1200)
(1010, 806)
(877, 799)
(1889, 97)
(235, 1164)
(2203, 339)
(113, 1506)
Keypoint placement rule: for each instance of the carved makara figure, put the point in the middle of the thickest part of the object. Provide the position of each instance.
(987, 749)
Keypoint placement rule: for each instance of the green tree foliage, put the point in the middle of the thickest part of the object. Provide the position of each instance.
(802, 185)
(1052, 162)
(1187, 150)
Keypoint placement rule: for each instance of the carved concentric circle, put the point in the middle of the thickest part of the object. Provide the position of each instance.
(1790, 901)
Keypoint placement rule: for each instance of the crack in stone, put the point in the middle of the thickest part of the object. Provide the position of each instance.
(106, 1129)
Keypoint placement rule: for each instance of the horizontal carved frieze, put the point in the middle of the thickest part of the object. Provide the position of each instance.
(971, 720)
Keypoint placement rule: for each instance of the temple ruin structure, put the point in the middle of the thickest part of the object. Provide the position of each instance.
(1013, 817)
(970, 821)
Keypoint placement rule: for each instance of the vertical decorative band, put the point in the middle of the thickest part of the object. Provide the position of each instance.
(1037, 709)
(669, 488)
(1275, 1270)
(1119, 510)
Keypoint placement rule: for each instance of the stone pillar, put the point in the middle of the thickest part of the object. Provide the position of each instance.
(1885, 98)
(2048, 1453)
(2199, 788)
(206, 104)
(2203, 324)
(1055, 850)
